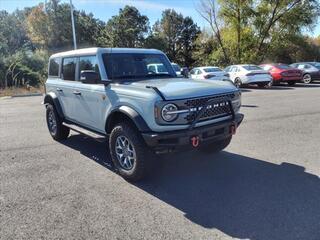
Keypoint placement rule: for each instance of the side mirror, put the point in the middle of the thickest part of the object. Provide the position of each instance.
(185, 72)
(89, 77)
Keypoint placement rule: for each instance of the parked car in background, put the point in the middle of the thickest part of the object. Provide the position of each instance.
(177, 69)
(311, 71)
(210, 73)
(248, 74)
(283, 73)
(155, 68)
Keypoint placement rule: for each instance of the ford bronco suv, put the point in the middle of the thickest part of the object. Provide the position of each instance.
(112, 94)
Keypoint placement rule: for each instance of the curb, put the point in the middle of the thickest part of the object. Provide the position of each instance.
(22, 95)
(5, 97)
(27, 95)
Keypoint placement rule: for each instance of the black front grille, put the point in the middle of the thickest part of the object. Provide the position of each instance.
(199, 102)
(219, 108)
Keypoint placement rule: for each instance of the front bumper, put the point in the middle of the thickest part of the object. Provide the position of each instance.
(163, 142)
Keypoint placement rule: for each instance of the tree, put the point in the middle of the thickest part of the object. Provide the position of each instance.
(127, 29)
(178, 34)
(245, 30)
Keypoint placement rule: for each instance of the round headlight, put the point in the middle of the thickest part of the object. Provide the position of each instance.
(168, 112)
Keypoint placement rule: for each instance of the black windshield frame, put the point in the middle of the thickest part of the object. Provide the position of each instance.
(114, 60)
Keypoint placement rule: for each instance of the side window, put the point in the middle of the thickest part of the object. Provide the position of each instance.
(192, 72)
(198, 72)
(54, 67)
(69, 69)
(300, 66)
(307, 66)
(88, 63)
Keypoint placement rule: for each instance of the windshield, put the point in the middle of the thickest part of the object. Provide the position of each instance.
(176, 67)
(317, 65)
(136, 65)
(212, 69)
(251, 67)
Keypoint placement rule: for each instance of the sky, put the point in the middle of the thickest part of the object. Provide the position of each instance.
(104, 9)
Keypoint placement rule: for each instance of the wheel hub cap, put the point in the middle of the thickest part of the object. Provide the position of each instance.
(125, 152)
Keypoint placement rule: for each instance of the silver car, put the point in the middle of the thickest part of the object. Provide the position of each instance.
(248, 74)
(209, 73)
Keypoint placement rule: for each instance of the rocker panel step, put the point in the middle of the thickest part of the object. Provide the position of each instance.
(96, 136)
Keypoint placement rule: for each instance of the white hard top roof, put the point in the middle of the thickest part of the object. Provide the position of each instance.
(94, 51)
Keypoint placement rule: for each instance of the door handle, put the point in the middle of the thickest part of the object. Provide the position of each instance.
(77, 93)
(59, 90)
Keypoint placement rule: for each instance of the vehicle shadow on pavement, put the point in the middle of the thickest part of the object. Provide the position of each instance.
(243, 197)
(90, 148)
(312, 85)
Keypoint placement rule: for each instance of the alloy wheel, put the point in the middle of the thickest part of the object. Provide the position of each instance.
(307, 78)
(125, 151)
(52, 122)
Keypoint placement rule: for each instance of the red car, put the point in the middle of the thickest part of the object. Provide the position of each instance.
(283, 73)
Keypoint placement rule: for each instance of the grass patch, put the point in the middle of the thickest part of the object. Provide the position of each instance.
(20, 91)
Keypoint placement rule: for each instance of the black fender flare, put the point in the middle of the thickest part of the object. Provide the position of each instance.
(53, 99)
(132, 114)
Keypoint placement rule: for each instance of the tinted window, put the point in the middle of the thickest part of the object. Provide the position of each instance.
(176, 67)
(135, 65)
(192, 71)
(212, 69)
(317, 65)
(283, 66)
(54, 67)
(88, 63)
(251, 67)
(227, 69)
(69, 69)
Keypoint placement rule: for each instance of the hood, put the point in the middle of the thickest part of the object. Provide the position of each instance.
(180, 88)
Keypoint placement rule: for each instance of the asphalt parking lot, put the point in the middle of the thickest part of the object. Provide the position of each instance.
(264, 186)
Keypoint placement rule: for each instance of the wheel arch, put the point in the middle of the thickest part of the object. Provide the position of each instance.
(51, 98)
(128, 114)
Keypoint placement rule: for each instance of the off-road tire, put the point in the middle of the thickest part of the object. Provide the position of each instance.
(144, 156)
(217, 146)
(61, 132)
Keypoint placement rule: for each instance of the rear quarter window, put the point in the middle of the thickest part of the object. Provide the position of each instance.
(54, 65)
(69, 68)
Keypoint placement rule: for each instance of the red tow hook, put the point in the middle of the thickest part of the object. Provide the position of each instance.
(195, 140)
(233, 129)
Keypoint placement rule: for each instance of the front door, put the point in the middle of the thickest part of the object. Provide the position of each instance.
(91, 102)
(65, 89)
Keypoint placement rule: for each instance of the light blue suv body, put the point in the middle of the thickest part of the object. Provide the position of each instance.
(97, 88)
